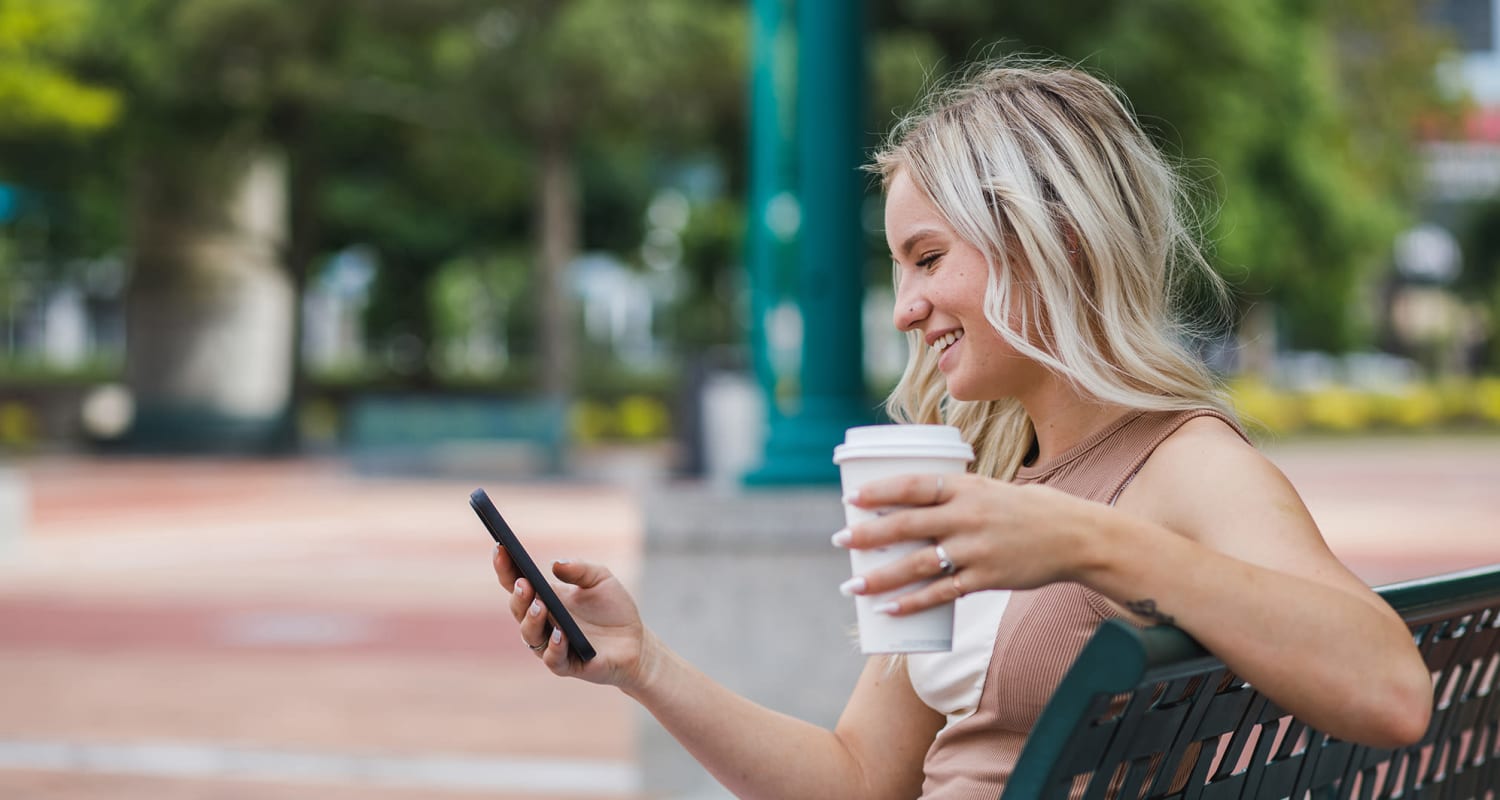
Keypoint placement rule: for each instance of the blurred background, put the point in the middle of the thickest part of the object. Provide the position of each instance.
(281, 281)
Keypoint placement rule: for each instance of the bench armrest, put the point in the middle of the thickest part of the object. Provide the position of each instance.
(1138, 708)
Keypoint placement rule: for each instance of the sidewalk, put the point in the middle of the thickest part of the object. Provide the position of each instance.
(287, 630)
(1400, 508)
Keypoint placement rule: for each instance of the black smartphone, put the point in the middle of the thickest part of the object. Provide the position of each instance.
(578, 644)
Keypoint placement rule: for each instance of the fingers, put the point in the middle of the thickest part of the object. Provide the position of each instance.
(528, 610)
(521, 596)
(908, 490)
(505, 569)
(901, 525)
(943, 590)
(922, 564)
(582, 574)
(536, 628)
(556, 654)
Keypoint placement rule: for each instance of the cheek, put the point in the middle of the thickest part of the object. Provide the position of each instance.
(991, 368)
(990, 352)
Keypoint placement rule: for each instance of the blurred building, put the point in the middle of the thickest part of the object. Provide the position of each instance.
(64, 319)
(1426, 319)
(1467, 168)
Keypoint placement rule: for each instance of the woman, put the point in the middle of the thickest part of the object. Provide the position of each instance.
(1036, 236)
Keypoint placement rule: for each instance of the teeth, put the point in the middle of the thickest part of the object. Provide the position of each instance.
(947, 341)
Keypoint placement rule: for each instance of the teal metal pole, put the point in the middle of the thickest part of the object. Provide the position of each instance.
(830, 246)
(770, 177)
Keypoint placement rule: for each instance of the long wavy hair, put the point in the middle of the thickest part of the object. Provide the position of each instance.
(1086, 231)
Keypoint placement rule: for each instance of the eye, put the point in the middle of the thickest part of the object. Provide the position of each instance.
(928, 261)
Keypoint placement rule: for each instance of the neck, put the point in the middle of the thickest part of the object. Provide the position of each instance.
(1063, 418)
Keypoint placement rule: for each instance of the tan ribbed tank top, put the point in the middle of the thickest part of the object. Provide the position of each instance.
(1042, 631)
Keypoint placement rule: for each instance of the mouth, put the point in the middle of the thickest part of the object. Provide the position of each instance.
(947, 340)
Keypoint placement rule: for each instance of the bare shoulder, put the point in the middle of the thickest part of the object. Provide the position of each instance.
(1207, 455)
(1205, 481)
(1203, 436)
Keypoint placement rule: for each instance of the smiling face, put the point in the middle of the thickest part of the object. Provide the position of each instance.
(940, 293)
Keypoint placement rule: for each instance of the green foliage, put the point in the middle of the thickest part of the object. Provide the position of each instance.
(36, 94)
(52, 118)
(1292, 120)
(414, 127)
(1479, 282)
(473, 295)
(710, 312)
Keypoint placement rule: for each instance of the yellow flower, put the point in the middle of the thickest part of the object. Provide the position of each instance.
(1339, 409)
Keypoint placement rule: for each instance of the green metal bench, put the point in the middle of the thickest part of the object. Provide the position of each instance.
(433, 433)
(1145, 714)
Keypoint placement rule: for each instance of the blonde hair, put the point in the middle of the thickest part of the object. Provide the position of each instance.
(1084, 227)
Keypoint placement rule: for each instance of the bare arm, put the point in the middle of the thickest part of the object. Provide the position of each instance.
(1209, 536)
(1215, 537)
(875, 751)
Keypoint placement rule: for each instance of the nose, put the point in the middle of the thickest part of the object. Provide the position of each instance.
(911, 306)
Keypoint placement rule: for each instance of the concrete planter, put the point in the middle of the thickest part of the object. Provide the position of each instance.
(745, 586)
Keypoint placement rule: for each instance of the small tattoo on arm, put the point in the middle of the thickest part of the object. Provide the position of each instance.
(1147, 608)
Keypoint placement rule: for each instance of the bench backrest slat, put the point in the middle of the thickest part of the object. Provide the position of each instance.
(1149, 715)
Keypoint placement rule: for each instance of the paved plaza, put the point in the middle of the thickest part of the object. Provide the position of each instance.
(289, 629)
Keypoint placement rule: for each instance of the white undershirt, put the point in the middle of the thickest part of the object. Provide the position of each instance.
(951, 683)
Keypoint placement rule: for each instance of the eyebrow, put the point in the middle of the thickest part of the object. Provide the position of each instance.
(912, 240)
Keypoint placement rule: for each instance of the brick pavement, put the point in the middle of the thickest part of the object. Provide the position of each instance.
(287, 630)
(1401, 507)
(349, 626)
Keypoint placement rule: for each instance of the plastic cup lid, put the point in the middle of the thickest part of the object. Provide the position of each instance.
(903, 441)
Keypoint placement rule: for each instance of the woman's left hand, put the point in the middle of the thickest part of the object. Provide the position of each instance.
(998, 536)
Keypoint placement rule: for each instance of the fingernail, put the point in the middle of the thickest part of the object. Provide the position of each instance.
(565, 561)
(497, 549)
(536, 608)
(842, 537)
(852, 586)
(556, 635)
(851, 498)
(887, 608)
(520, 585)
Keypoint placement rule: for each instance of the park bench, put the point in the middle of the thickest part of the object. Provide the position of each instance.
(442, 433)
(1138, 707)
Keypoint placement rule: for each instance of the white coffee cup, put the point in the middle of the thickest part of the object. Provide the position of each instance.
(874, 452)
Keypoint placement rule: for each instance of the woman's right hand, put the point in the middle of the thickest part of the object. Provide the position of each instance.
(603, 609)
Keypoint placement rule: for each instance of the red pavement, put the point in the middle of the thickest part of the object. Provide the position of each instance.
(351, 625)
(235, 606)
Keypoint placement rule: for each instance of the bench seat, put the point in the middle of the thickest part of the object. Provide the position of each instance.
(1141, 708)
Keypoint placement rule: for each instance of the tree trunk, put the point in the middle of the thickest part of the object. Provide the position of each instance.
(303, 237)
(210, 312)
(557, 236)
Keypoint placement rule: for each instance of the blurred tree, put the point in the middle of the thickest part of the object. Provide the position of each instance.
(580, 77)
(1479, 282)
(1294, 121)
(422, 127)
(241, 115)
(221, 170)
(36, 94)
(446, 131)
(46, 115)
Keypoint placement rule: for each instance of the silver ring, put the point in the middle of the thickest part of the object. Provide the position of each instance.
(945, 564)
(537, 648)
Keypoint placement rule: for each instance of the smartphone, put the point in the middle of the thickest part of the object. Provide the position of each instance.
(578, 644)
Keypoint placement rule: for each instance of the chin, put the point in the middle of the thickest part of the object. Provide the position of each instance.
(958, 394)
(959, 390)
(967, 392)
